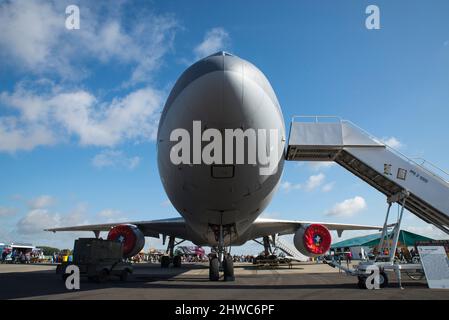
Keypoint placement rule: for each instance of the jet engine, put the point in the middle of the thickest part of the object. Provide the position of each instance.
(132, 238)
(312, 240)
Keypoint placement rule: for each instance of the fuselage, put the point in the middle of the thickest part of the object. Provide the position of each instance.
(229, 94)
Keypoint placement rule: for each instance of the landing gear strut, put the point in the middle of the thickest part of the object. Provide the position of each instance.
(169, 256)
(267, 246)
(221, 261)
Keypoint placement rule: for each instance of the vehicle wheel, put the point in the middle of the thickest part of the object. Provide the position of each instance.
(177, 261)
(124, 275)
(103, 276)
(165, 261)
(383, 280)
(228, 268)
(214, 267)
(362, 282)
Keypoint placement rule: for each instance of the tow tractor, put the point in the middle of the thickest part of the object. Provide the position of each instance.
(98, 260)
(385, 259)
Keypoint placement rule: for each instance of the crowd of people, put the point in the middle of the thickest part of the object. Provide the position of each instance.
(189, 258)
(243, 258)
(19, 256)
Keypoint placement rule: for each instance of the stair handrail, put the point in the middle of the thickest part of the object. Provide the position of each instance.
(316, 117)
(403, 156)
(433, 165)
(285, 247)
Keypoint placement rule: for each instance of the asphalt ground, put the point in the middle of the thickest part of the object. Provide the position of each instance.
(149, 281)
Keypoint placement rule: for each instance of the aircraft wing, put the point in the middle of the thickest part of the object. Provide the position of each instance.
(262, 227)
(153, 228)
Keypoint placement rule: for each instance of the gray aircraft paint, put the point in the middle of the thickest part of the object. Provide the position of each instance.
(223, 92)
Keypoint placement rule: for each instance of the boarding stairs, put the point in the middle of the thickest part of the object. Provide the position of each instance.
(321, 138)
(288, 249)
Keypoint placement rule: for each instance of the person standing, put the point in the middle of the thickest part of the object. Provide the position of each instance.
(348, 258)
(4, 255)
(362, 253)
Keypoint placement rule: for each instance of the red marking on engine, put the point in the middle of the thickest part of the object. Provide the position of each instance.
(317, 239)
(124, 234)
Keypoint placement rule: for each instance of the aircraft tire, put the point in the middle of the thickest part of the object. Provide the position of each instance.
(103, 276)
(228, 268)
(177, 261)
(165, 261)
(383, 279)
(214, 269)
(124, 275)
(362, 282)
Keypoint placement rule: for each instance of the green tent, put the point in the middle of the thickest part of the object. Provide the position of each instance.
(405, 238)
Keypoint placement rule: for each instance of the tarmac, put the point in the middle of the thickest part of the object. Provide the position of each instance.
(303, 281)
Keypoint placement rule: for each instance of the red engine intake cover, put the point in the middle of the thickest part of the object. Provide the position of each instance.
(317, 239)
(128, 236)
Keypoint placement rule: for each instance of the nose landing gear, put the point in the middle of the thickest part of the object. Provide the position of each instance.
(221, 260)
(226, 265)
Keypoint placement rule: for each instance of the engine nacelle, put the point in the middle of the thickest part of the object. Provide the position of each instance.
(312, 240)
(132, 238)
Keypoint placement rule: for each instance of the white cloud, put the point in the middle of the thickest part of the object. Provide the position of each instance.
(41, 202)
(348, 207)
(29, 30)
(392, 142)
(287, 186)
(77, 216)
(49, 118)
(108, 213)
(114, 158)
(328, 187)
(34, 37)
(7, 211)
(37, 220)
(321, 165)
(215, 40)
(40, 113)
(111, 215)
(40, 217)
(314, 181)
(6, 235)
(414, 224)
(13, 136)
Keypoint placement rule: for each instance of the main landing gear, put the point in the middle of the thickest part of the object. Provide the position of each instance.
(169, 257)
(221, 260)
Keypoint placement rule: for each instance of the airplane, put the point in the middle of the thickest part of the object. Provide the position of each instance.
(220, 202)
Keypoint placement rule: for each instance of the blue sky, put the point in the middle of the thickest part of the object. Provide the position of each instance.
(79, 108)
